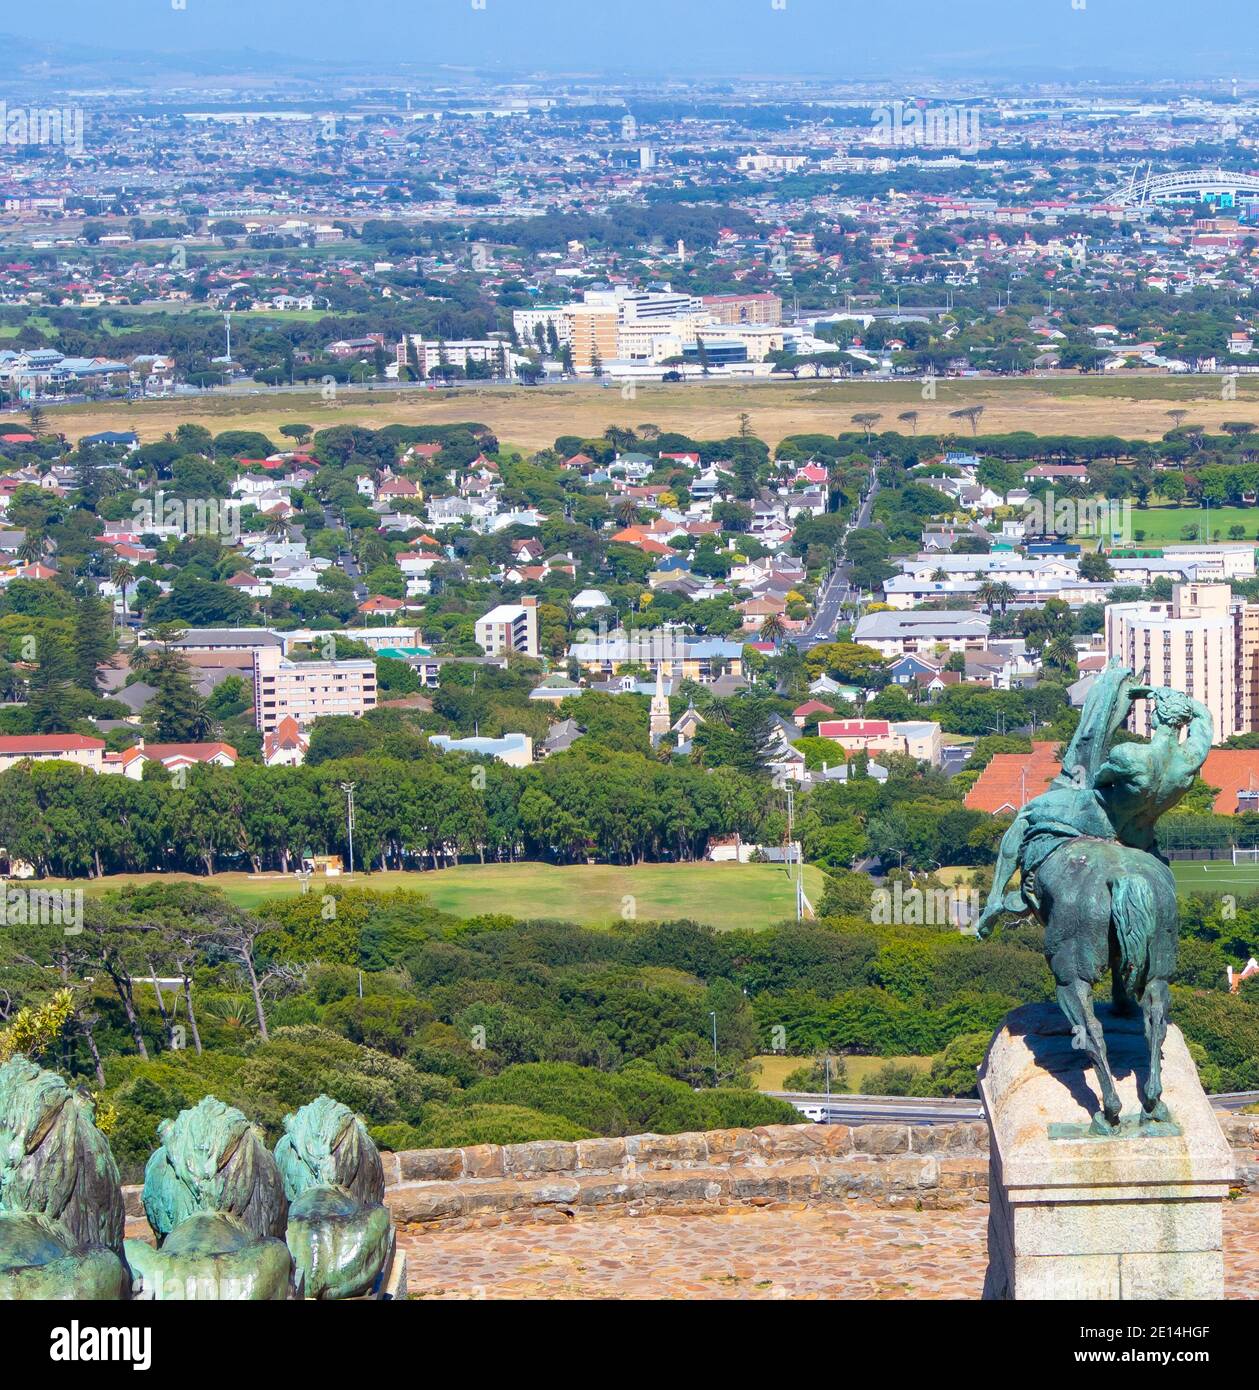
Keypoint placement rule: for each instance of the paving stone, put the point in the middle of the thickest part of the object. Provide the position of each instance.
(784, 1251)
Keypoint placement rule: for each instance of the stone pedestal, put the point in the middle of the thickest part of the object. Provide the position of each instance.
(1135, 1217)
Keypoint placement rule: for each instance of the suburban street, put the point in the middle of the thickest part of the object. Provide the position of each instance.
(836, 589)
(345, 558)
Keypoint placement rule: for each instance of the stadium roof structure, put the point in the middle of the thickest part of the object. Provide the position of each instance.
(1224, 186)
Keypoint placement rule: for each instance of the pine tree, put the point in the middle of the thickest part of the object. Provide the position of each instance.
(92, 642)
(51, 688)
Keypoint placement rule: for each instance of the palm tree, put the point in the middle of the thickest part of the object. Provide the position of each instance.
(1004, 595)
(201, 723)
(988, 595)
(626, 511)
(31, 549)
(277, 525)
(773, 628)
(1060, 653)
(122, 574)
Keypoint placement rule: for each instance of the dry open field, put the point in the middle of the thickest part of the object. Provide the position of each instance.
(1132, 406)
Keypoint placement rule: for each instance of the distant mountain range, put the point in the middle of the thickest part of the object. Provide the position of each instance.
(59, 65)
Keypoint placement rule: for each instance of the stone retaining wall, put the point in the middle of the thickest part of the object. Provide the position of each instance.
(919, 1166)
(924, 1165)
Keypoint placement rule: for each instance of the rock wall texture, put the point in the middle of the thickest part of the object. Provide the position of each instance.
(921, 1167)
(891, 1165)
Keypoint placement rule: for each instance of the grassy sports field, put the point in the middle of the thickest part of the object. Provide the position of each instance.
(1134, 407)
(726, 896)
(1163, 525)
(1216, 876)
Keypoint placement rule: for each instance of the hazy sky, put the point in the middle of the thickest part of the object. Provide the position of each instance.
(709, 37)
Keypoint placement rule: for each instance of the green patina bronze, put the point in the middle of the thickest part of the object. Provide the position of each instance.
(339, 1232)
(1090, 870)
(61, 1210)
(215, 1200)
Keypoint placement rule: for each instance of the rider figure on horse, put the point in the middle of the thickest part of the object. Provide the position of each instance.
(1103, 792)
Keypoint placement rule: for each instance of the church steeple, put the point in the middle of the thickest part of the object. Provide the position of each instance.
(660, 716)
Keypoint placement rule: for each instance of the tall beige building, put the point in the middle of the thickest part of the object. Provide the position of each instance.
(1196, 644)
(309, 690)
(592, 335)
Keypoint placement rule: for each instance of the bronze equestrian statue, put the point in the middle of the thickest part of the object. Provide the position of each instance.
(1091, 871)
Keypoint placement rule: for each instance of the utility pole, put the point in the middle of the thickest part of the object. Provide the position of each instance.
(793, 865)
(348, 789)
(716, 1065)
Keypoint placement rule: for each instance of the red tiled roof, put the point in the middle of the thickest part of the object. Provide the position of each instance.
(1012, 779)
(18, 744)
(1232, 771)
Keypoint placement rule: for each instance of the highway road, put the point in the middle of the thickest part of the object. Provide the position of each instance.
(917, 1110)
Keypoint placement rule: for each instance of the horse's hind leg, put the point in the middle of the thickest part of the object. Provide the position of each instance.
(1154, 1008)
(1121, 998)
(1076, 1001)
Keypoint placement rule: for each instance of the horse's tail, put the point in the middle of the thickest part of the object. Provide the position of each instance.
(1133, 911)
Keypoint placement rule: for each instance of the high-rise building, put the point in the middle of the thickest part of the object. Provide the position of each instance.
(1202, 642)
(511, 627)
(592, 335)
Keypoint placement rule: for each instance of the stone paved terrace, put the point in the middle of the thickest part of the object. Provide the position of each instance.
(782, 1251)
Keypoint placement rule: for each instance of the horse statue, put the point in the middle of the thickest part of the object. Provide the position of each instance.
(1091, 871)
(339, 1231)
(61, 1208)
(215, 1201)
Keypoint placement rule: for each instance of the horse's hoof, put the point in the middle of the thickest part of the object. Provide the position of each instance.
(1155, 1113)
(1102, 1124)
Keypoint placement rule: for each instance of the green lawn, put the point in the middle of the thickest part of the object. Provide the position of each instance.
(1215, 876)
(726, 896)
(1163, 524)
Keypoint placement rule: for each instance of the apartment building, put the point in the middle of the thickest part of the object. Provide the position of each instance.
(898, 634)
(593, 335)
(771, 163)
(428, 355)
(681, 657)
(526, 322)
(1194, 644)
(511, 627)
(762, 309)
(309, 690)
